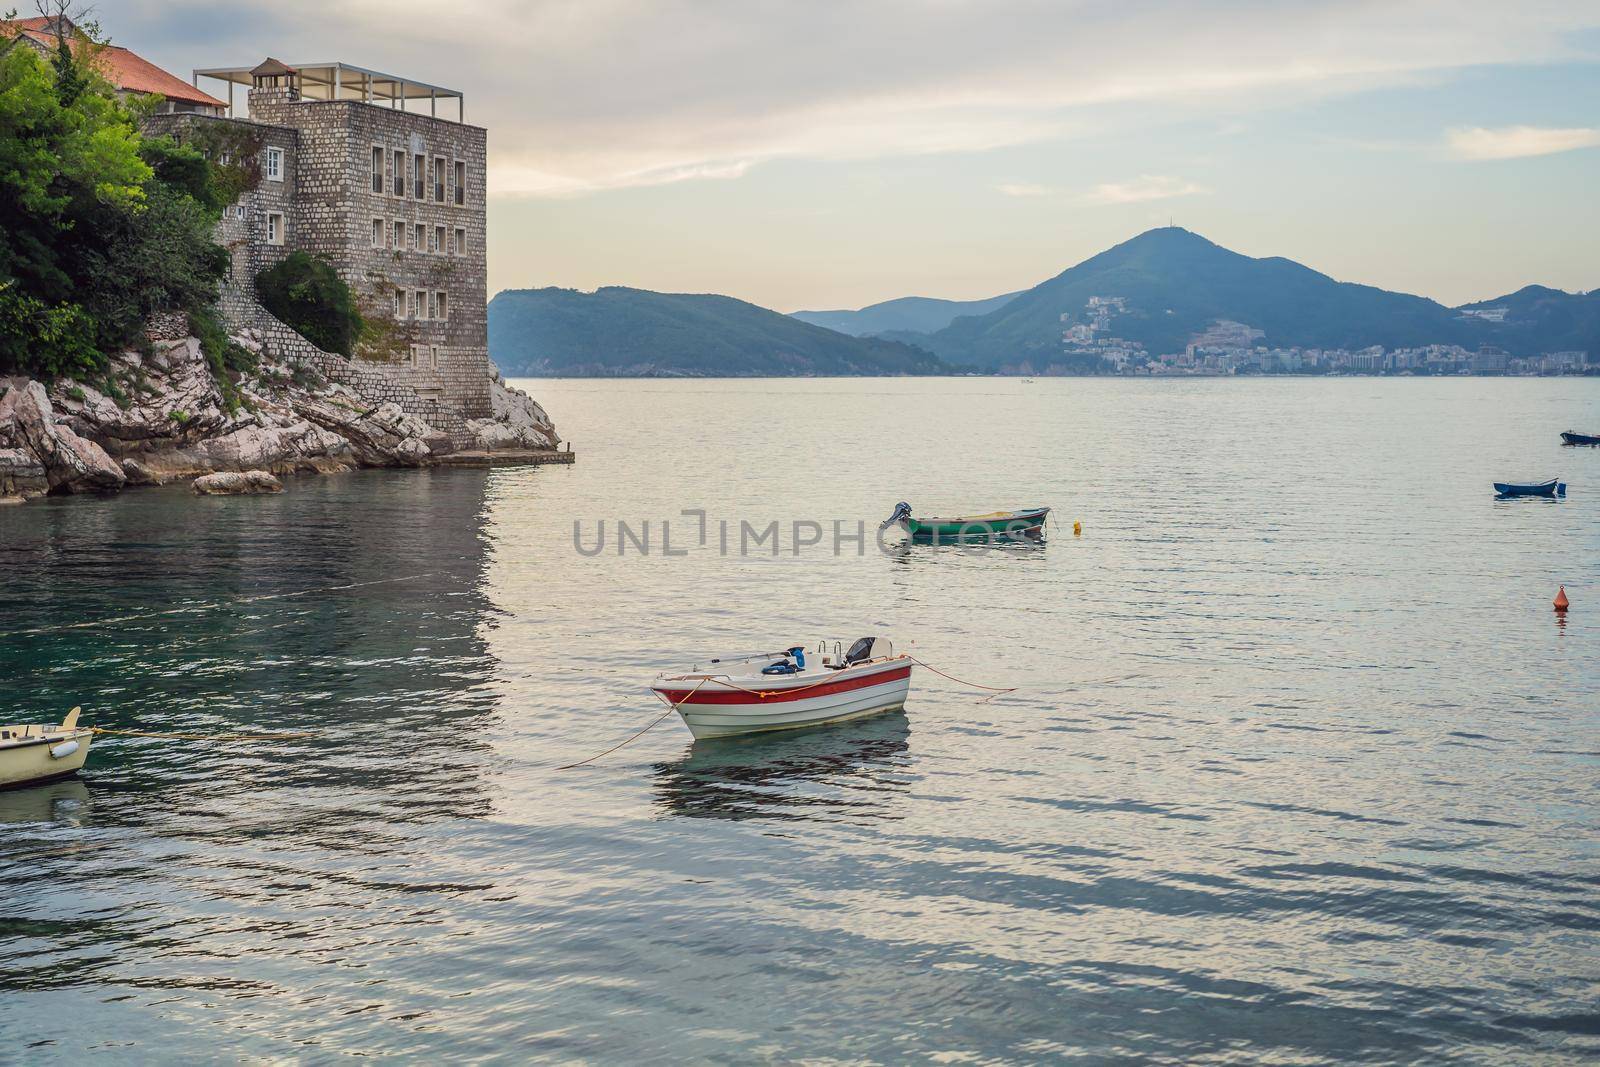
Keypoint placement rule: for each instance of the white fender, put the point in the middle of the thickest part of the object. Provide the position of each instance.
(63, 750)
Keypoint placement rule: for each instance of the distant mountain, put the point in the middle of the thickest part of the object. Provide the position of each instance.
(907, 315)
(617, 332)
(1162, 289)
(1540, 319)
(1175, 284)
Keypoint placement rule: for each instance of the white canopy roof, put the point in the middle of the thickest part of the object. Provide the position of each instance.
(346, 81)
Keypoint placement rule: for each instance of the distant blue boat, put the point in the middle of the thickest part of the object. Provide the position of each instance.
(1554, 487)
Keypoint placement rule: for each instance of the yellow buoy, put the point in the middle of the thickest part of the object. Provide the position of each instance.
(1077, 529)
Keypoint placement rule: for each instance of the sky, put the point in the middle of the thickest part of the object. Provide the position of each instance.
(834, 153)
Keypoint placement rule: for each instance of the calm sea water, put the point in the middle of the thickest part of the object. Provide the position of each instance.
(1301, 768)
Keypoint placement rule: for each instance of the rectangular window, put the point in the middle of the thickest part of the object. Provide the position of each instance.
(399, 303)
(422, 304)
(438, 239)
(274, 228)
(273, 165)
(434, 354)
(415, 359)
(397, 174)
(461, 182)
(443, 308)
(417, 167)
(399, 235)
(438, 179)
(377, 169)
(378, 229)
(432, 307)
(421, 236)
(461, 241)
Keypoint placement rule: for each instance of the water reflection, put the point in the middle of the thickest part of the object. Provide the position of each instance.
(360, 623)
(850, 771)
(65, 803)
(910, 551)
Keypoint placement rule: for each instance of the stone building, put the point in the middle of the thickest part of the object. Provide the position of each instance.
(352, 170)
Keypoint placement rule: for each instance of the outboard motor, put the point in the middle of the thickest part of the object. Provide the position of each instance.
(902, 512)
(859, 652)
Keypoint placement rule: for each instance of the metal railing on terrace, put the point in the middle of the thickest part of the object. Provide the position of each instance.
(345, 81)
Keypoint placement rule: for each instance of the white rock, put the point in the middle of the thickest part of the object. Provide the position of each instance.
(518, 423)
(228, 483)
(71, 463)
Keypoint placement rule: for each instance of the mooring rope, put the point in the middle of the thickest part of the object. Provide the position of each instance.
(962, 681)
(200, 737)
(995, 690)
(627, 741)
(190, 608)
(762, 693)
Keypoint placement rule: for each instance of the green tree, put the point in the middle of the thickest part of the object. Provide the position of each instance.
(98, 227)
(72, 79)
(57, 164)
(184, 168)
(159, 258)
(308, 294)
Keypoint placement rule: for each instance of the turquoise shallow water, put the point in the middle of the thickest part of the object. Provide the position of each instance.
(1302, 767)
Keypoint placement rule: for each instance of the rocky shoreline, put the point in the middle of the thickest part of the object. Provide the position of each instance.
(160, 416)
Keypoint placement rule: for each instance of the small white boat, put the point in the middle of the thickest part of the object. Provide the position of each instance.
(788, 690)
(42, 753)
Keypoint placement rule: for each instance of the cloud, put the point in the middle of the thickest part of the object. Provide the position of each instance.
(596, 95)
(1023, 189)
(1137, 191)
(1514, 142)
(1142, 188)
(515, 180)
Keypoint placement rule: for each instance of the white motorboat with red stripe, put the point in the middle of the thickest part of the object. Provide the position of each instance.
(788, 690)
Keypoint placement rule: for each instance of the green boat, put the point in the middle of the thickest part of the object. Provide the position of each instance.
(1028, 522)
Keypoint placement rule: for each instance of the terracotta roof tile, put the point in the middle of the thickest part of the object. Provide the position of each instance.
(122, 68)
(136, 74)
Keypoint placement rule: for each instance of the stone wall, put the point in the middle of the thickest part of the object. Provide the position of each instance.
(244, 225)
(375, 384)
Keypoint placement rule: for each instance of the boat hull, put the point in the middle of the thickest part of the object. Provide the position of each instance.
(1015, 524)
(1579, 439)
(1515, 489)
(717, 710)
(30, 762)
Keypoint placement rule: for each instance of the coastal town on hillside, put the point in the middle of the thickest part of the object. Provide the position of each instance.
(1088, 345)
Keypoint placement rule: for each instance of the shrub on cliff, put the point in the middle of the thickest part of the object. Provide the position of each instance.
(308, 294)
(92, 239)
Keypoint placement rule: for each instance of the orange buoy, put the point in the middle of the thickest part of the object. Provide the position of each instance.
(1077, 529)
(1561, 599)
